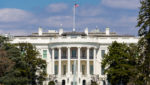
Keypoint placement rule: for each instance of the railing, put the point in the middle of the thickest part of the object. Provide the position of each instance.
(83, 57)
(63, 57)
(91, 57)
(56, 57)
(74, 57)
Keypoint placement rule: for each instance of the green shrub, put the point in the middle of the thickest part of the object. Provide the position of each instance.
(94, 83)
(51, 83)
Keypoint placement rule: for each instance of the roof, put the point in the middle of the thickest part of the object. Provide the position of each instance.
(73, 33)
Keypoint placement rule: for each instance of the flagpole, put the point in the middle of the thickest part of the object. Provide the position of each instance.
(74, 18)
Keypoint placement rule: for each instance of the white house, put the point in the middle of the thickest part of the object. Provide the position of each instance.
(74, 56)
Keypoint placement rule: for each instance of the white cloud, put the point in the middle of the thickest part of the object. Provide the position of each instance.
(59, 7)
(126, 4)
(14, 32)
(127, 20)
(13, 15)
(17, 21)
(125, 23)
(55, 21)
(92, 11)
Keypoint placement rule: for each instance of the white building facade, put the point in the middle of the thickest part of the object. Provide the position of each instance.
(74, 56)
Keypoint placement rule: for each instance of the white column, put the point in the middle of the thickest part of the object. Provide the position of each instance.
(94, 56)
(79, 72)
(59, 73)
(48, 55)
(88, 61)
(53, 60)
(68, 60)
(79, 60)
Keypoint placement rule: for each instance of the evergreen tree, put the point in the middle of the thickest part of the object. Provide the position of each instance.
(143, 77)
(119, 64)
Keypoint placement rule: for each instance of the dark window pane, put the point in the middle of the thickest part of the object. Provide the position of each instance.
(102, 53)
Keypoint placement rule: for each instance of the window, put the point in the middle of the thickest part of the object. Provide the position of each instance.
(56, 54)
(56, 69)
(102, 53)
(91, 54)
(44, 53)
(102, 71)
(91, 69)
(73, 83)
(74, 52)
(83, 69)
(64, 54)
(64, 69)
(83, 54)
(72, 68)
(104, 83)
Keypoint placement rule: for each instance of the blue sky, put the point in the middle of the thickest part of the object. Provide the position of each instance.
(22, 17)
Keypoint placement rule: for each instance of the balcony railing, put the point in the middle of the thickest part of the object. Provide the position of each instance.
(91, 57)
(63, 57)
(73, 57)
(83, 57)
(56, 57)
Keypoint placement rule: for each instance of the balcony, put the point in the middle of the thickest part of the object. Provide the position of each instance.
(83, 57)
(56, 57)
(63, 57)
(91, 57)
(73, 57)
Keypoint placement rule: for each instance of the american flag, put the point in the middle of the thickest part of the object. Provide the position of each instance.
(76, 5)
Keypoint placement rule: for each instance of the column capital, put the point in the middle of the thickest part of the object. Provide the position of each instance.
(59, 47)
(68, 47)
(95, 48)
(79, 47)
(52, 48)
(88, 47)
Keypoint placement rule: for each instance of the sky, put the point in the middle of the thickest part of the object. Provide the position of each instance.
(23, 17)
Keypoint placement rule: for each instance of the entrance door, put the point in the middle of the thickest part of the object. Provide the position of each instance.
(63, 82)
(84, 82)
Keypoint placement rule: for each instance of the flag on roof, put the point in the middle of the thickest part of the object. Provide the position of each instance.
(76, 5)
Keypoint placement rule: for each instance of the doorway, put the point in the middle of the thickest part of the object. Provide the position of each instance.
(63, 82)
(84, 82)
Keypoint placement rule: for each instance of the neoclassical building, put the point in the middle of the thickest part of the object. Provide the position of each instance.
(74, 58)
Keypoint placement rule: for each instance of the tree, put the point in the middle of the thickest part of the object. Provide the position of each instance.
(6, 65)
(11, 57)
(3, 40)
(28, 69)
(143, 77)
(35, 67)
(144, 18)
(118, 64)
